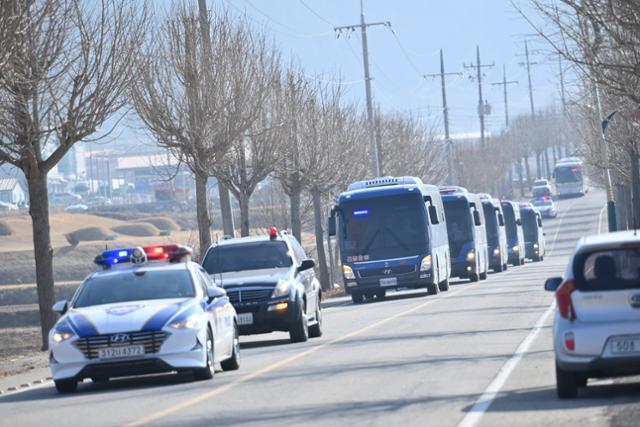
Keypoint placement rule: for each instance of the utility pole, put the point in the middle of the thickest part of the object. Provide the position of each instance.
(375, 156)
(481, 107)
(564, 105)
(505, 83)
(445, 113)
(611, 203)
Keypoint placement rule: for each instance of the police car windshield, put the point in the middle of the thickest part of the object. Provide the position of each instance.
(135, 286)
(247, 256)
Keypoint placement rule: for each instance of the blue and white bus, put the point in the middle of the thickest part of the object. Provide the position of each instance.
(515, 236)
(568, 177)
(392, 234)
(496, 233)
(466, 232)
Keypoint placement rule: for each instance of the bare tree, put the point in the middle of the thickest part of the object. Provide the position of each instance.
(197, 102)
(66, 70)
(332, 139)
(256, 155)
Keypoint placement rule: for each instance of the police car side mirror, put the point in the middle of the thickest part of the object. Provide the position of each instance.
(61, 307)
(307, 264)
(214, 292)
(552, 284)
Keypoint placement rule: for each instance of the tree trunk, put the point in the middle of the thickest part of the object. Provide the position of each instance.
(547, 166)
(202, 213)
(296, 221)
(322, 259)
(538, 170)
(244, 214)
(635, 186)
(228, 227)
(39, 211)
(528, 170)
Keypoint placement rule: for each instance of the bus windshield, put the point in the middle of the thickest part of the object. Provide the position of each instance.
(384, 227)
(459, 223)
(568, 174)
(491, 223)
(529, 225)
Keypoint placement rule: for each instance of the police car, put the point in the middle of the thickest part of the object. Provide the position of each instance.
(149, 310)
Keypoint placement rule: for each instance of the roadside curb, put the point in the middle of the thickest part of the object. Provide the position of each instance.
(14, 389)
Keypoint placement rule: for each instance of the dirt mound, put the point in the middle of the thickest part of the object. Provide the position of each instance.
(89, 234)
(5, 229)
(139, 229)
(161, 223)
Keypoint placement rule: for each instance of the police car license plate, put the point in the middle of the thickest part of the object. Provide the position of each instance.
(624, 345)
(118, 352)
(389, 281)
(245, 318)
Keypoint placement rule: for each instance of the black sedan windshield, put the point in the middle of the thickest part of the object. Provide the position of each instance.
(135, 286)
(247, 256)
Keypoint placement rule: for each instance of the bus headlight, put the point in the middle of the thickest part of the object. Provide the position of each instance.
(426, 263)
(535, 246)
(496, 251)
(471, 255)
(515, 248)
(348, 272)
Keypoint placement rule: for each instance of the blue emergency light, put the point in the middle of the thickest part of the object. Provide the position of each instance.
(361, 212)
(140, 255)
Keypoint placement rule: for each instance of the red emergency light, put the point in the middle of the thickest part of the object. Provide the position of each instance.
(273, 233)
(171, 253)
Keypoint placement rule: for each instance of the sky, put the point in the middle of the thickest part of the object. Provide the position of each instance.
(303, 29)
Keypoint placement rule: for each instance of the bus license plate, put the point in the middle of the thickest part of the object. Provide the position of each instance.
(625, 345)
(245, 318)
(118, 352)
(389, 281)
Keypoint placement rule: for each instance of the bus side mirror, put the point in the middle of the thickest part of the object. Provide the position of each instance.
(518, 222)
(433, 215)
(501, 220)
(331, 225)
(476, 218)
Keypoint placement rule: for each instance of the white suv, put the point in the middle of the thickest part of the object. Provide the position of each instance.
(597, 324)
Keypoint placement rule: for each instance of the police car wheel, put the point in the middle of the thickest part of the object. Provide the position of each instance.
(66, 386)
(381, 294)
(315, 330)
(299, 331)
(207, 372)
(233, 363)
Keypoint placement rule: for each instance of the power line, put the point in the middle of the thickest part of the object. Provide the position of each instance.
(322, 18)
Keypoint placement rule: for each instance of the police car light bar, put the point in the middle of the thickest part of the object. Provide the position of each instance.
(140, 255)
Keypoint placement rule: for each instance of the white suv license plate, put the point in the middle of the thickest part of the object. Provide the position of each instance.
(625, 345)
(389, 281)
(245, 318)
(119, 352)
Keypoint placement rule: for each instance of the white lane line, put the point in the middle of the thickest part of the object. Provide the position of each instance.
(562, 217)
(600, 219)
(473, 417)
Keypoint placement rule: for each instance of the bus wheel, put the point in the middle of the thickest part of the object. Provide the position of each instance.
(357, 297)
(483, 276)
(444, 285)
(473, 277)
(498, 268)
(433, 289)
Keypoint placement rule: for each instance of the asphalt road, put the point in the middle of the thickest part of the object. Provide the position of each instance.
(479, 354)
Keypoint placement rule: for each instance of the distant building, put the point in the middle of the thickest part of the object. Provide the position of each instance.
(12, 191)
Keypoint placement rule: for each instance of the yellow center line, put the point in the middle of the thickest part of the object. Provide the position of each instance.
(213, 393)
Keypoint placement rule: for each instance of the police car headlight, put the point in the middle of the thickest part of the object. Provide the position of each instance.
(496, 251)
(190, 322)
(348, 272)
(426, 263)
(471, 255)
(62, 332)
(282, 289)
